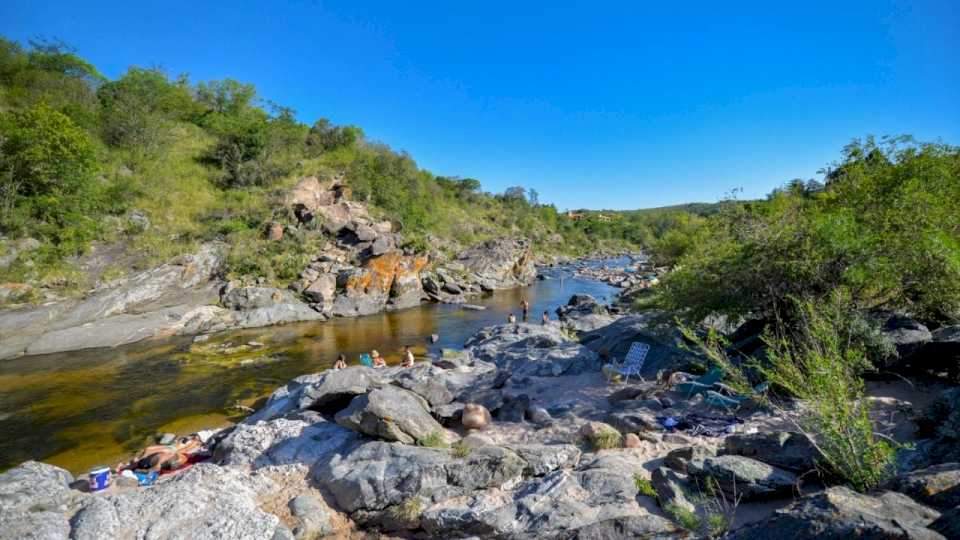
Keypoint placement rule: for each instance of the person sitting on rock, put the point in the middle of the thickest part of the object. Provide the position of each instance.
(378, 361)
(341, 362)
(511, 319)
(407, 356)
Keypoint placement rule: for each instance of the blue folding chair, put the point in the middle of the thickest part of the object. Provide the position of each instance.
(632, 364)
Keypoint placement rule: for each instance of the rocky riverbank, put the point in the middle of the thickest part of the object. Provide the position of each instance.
(517, 436)
(360, 270)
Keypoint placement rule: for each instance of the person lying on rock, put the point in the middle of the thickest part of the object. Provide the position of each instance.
(378, 361)
(341, 362)
(407, 356)
(165, 457)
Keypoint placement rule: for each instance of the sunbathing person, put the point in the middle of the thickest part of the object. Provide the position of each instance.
(164, 456)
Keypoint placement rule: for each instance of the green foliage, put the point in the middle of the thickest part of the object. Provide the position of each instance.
(816, 361)
(325, 137)
(407, 511)
(884, 229)
(139, 110)
(644, 486)
(433, 440)
(684, 517)
(460, 450)
(604, 438)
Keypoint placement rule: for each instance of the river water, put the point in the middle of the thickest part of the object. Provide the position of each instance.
(84, 408)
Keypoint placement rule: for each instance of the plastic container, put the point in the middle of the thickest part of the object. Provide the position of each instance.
(99, 478)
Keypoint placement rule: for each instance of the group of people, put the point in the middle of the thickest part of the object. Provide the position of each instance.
(375, 360)
(525, 308)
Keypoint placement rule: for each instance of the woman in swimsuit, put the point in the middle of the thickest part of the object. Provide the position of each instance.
(164, 456)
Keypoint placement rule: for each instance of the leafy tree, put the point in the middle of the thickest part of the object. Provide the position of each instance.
(325, 137)
(138, 110)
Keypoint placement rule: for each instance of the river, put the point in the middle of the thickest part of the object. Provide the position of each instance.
(83, 408)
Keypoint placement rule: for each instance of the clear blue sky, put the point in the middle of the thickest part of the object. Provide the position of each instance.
(593, 104)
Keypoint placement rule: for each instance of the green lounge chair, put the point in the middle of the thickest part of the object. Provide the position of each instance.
(720, 401)
(704, 383)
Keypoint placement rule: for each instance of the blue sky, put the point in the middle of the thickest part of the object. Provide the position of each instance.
(599, 105)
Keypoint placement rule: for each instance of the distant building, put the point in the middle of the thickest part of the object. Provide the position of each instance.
(603, 217)
(575, 216)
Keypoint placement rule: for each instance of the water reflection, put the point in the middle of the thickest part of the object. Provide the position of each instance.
(83, 408)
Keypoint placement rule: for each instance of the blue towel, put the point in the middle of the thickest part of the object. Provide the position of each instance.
(146, 478)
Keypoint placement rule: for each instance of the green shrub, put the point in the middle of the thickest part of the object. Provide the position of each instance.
(644, 486)
(816, 362)
(407, 511)
(460, 450)
(433, 440)
(604, 438)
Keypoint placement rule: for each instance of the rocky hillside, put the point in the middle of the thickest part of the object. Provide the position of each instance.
(518, 436)
(358, 269)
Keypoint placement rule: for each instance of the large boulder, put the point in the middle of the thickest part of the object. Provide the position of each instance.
(140, 306)
(937, 486)
(545, 458)
(391, 413)
(531, 349)
(905, 334)
(499, 263)
(612, 342)
(948, 524)
(366, 290)
(377, 475)
(788, 450)
(35, 499)
(941, 354)
(206, 501)
(263, 306)
(742, 477)
(335, 389)
(282, 441)
(839, 513)
(671, 489)
(580, 304)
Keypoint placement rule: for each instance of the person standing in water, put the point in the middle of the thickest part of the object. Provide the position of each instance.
(407, 356)
(525, 306)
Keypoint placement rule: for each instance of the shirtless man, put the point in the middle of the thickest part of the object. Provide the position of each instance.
(407, 356)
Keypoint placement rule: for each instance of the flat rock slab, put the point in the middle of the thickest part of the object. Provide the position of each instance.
(840, 513)
(742, 477)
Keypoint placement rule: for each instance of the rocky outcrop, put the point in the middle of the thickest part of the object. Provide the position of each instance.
(391, 277)
(787, 450)
(144, 305)
(613, 341)
(501, 263)
(937, 486)
(741, 477)
(532, 349)
(392, 414)
(839, 512)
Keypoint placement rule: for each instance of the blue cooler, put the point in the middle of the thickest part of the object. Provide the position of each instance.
(99, 478)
